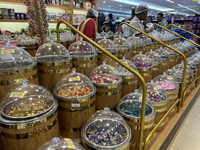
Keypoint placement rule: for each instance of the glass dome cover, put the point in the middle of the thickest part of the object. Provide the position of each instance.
(25, 40)
(109, 128)
(104, 35)
(191, 65)
(142, 61)
(111, 34)
(195, 60)
(69, 36)
(171, 52)
(122, 43)
(28, 100)
(60, 143)
(135, 41)
(98, 36)
(15, 58)
(155, 57)
(107, 45)
(145, 39)
(163, 53)
(74, 86)
(177, 74)
(52, 52)
(180, 67)
(4, 38)
(82, 49)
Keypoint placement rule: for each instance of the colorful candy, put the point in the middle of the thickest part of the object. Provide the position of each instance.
(166, 85)
(156, 96)
(104, 78)
(142, 65)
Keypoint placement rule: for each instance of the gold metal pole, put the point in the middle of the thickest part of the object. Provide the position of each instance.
(183, 77)
(122, 64)
(104, 26)
(183, 30)
(177, 35)
(165, 25)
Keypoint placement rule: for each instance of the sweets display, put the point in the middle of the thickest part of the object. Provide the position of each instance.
(155, 57)
(104, 35)
(104, 78)
(155, 96)
(107, 45)
(142, 65)
(142, 61)
(166, 85)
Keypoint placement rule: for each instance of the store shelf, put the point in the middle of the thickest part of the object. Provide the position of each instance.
(24, 21)
(80, 9)
(58, 7)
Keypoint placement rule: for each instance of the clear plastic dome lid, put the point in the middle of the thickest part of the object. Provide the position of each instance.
(177, 74)
(5, 38)
(195, 60)
(177, 47)
(155, 57)
(142, 61)
(98, 36)
(107, 45)
(69, 36)
(123, 71)
(163, 53)
(60, 143)
(122, 43)
(155, 92)
(105, 75)
(52, 52)
(104, 35)
(145, 39)
(166, 81)
(162, 37)
(111, 34)
(53, 37)
(25, 40)
(82, 49)
(15, 58)
(116, 34)
(106, 130)
(130, 106)
(135, 41)
(188, 70)
(191, 65)
(28, 100)
(171, 52)
(74, 86)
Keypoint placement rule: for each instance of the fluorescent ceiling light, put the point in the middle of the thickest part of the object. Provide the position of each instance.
(170, 1)
(104, 1)
(120, 5)
(180, 5)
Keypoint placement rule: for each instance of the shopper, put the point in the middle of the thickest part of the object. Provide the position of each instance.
(88, 27)
(141, 12)
(161, 21)
(111, 23)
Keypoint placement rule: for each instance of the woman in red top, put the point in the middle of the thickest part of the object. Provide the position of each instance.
(88, 27)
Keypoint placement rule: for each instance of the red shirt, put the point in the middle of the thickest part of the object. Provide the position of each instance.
(89, 29)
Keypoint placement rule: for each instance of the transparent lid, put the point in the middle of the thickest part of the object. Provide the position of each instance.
(25, 40)
(162, 37)
(145, 39)
(120, 34)
(135, 41)
(105, 75)
(155, 57)
(74, 86)
(181, 67)
(130, 106)
(142, 61)
(155, 92)
(15, 58)
(60, 143)
(166, 81)
(123, 71)
(98, 36)
(177, 74)
(104, 35)
(170, 51)
(191, 65)
(28, 100)
(52, 52)
(122, 43)
(107, 45)
(111, 34)
(5, 38)
(106, 130)
(195, 60)
(69, 36)
(163, 53)
(82, 49)
(177, 47)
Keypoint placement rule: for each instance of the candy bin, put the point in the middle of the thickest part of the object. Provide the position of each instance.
(76, 103)
(110, 47)
(4, 37)
(98, 37)
(165, 57)
(104, 35)
(130, 108)
(60, 143)
(106, 130)
(157, 62)
(129, 80)
(159, 98)
(108, 83)
(183, 49)
(111, 35)
(54, 62)
(28, 117)
(155, 45)
(16, 64)
(28, 43)
(169, 84)
(174, 57)
(144, 66)
(136, 44)
(124, 48)
(84, 57)
(147, 43)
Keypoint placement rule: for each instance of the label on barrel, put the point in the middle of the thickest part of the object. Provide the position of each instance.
(74, 79)
(69, 143)
(17, 94)
(7, 51)
(170, 78)
(157, 87)
(76, 105)
(47, 44)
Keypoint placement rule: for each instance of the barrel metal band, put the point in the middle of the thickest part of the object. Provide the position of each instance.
(59, 71)
(124, 50)
(129, 83)
(84, 58)
(108, 87)
(146, 74)
(149, 126)
(129, 77)
(121, 55)
(108, 93)
(55, 64)
(17, 72)
(145, 69)
(79, 100)
(138, 120)
(157, 68)
(84, 65)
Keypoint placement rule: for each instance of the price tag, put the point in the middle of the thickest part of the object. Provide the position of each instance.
(7, 51)
(169, 70)
(155, 54)
(17, 94)
(69, 143)
(140, 97)
(74, 79)
(143, 58)
(47, 44)
(76, 105)
(170, 78)
(125, 62)
(112, 68)
(157, 87)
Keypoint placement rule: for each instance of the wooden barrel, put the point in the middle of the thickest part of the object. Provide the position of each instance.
(111, 38)
(147, 48)
(103, 57)
(1, 142)
(30, 136)
(125, 52)
(146, 73)
(30, 48)
(157, 70)
(85, 65)
(173, 60)
(136, 50)
(129, 84)
(166, 65)
(189, 81)
(12, 79)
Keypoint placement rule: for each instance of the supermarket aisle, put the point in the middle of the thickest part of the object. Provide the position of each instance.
(188, 137)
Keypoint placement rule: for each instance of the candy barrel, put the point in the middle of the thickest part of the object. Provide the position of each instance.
(157, 63)
(98, 37)
(124, 48)
(108, 83)
(33, 122)
(174, 57)
(84, 57)
(155, 45)
(111, 35)
(130, 108)
(102, 126)
(129, 80)
(54, 62)
(147, 43)
(15, 65)
(136, 44)
(104, 35)
(76, 103)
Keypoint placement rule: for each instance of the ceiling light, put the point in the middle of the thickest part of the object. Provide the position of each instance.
(104, 1)
(180, 5)
(132, 7)
(170, 1)
(120, 5)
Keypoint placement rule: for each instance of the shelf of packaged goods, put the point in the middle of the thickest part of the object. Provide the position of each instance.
(80, 9)
(24, 21)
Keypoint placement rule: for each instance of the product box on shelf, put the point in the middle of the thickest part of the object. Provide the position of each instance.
(11, 11)
(17, 16)
(12, 17)
(3, 11)
(66, 3)
(93, 5)
(61, 2)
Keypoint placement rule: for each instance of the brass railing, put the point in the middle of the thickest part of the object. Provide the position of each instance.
(104, 26)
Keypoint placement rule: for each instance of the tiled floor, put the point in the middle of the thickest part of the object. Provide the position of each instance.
(188, 137)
